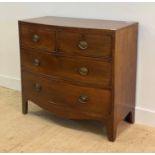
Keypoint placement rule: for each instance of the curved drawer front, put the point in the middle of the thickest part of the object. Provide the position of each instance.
(37, 36)
(84, 71)
(59, 94)
(81, 44)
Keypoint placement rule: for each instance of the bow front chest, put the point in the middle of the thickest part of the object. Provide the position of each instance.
(80, 68)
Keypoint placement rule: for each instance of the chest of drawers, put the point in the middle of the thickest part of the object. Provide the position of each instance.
(80, 68)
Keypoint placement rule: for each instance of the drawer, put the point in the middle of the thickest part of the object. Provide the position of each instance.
(37, 36)
(52, 94)
(78, 44)
(84, 71)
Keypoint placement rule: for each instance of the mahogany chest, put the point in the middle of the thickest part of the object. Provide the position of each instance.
(80, 68)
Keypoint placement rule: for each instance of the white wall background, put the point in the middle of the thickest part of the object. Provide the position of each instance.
(144, 13)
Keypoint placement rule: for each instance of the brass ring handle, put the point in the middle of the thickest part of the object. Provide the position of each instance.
(83, 45)
(37, 87)
(36, 62)
(83, 99)
(83, 71)
(35, 38)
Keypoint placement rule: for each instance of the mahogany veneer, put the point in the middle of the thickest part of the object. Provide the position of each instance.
(80, 68)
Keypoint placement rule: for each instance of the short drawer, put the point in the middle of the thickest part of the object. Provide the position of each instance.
(84, 44)
(37, 36)
(52, 93)
(83, 71)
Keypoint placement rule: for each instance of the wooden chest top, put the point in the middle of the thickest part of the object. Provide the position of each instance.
(80, 23)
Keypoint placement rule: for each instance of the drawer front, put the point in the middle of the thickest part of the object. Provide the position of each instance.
(84, 71)
(93, 45)
(56, 93)
(36, 36)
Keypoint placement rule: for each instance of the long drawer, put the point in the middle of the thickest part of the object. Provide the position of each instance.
(83, 71)
(56, 94)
